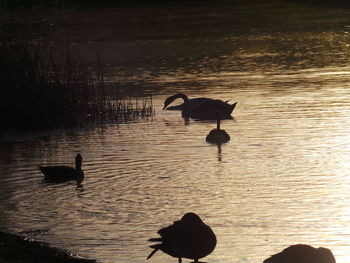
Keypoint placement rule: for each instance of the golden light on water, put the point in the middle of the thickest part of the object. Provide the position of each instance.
(282, 179)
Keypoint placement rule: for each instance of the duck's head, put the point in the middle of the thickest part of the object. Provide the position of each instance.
(191, 218)
(78, 158)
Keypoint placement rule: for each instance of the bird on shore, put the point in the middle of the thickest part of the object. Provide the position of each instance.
(302, 254)
(200, 108)
(64, 173)
(189, 238)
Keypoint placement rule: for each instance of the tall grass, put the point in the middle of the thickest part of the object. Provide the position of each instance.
(42, 87)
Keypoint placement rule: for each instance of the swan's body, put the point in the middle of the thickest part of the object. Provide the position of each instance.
(64, 173)
(302, 254)
(201, 108)
(186, 238)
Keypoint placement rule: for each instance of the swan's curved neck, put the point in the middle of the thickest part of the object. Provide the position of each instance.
(186, 112)
(182, 96)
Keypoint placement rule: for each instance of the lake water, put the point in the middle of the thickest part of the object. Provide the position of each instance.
(282, 179)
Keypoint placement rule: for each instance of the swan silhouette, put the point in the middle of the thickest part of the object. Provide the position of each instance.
(64, 173)
(186, 238)
(200, 108)
(302, 254)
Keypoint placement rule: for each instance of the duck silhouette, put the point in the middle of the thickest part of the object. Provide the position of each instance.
(302, 254)
(200, 108)
(64, 173)
(186, 238)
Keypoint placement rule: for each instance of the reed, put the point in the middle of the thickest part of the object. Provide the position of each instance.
(46, 87)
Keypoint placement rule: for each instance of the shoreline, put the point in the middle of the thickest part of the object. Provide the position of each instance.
(16, 249)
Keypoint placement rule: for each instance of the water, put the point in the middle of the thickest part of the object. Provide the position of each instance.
(282, 179)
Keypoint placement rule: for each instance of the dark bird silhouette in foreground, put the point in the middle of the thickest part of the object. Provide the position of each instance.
(217, 135)
(186, 238)
(302, 254)
(64, 173)
(200, 108)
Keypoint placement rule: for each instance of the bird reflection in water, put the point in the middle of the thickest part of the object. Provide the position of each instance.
(189, 238)
(219, 152)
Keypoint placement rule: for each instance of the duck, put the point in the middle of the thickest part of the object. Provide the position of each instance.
(64, 173)
(218, 135)
(189, 238)
(302, 253)
(200, 108)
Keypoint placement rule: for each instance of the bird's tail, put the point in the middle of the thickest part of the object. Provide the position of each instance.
(155, 247)
(159, 239)
(154, 251)
(42, 169)
(234, 105)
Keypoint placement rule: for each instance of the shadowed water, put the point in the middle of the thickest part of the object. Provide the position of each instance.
(282, 179)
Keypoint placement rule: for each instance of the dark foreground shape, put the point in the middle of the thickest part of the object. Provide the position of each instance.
(217, 136)
(15, 249)
(200, 108)
(64, 173)
(302, 254)
(186, 238)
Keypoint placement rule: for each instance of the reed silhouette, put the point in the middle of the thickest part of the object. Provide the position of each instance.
(46, 86)
(186, 238)
(200, 108)
(302, 254)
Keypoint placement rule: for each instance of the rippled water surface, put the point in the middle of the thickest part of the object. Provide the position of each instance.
(282, 179)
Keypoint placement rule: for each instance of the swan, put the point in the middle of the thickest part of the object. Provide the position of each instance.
(64, 173)
(186, 238)
(201, 108)
(302, 254)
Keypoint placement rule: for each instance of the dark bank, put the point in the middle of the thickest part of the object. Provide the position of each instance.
(16, 249)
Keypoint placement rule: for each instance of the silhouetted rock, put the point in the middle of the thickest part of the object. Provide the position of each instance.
(302, 254)
(15, 249)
